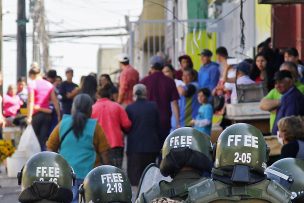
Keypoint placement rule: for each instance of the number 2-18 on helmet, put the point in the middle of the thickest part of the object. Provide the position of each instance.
(105, 184)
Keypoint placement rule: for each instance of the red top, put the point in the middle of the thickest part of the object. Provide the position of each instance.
(11, 105)
(163, 91)
(128, 78)
(179, 74)
(258, 79)
(113, 119)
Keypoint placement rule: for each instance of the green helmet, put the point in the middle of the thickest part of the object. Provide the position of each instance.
(106, 184)
(242, 145)
(186, 147)
(49, 175)
(289, 173)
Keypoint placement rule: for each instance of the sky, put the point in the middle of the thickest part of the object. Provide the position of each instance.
(62, 15)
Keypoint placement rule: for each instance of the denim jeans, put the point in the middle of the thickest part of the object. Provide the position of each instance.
(75, 188)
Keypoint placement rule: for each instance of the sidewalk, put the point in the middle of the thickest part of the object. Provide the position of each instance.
(9, 189)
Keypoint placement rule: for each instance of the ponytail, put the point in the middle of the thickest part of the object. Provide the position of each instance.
(81, 112)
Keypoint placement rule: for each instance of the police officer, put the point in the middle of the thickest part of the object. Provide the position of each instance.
(46, 178)
(187, 158)
(241, 154)
(289, 172)
(106, 184)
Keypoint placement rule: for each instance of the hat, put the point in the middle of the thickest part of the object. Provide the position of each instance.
(140, 90)
(280, 75)
(206, 52)
(123, 57)
(244, 67)
(69, 70)
(157, 61)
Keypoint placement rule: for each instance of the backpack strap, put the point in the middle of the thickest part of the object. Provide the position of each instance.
(64, 135)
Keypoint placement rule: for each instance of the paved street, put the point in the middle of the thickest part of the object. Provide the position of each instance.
(9, 189)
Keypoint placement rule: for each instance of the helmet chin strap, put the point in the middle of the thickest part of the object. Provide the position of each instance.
(238, 174)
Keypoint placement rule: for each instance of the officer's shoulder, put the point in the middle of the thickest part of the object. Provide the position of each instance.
(276, 190)
(202, 188)
(152, 193)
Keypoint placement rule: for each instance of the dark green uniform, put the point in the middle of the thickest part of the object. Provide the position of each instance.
(186, 157)
(218, 192)
(289, 172)
(238, 175)
(176, 189)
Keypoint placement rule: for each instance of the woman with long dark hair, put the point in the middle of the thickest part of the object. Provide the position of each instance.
(89, 86)
(80, 140)
(104, 80)
(262, 72)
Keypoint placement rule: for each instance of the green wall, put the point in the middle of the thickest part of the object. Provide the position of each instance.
(200, 39)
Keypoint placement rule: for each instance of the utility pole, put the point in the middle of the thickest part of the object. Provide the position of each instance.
(40, 35)
(35, 10)
(44, 38)
(21, 39)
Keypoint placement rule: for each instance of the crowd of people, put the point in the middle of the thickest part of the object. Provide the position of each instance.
(87, 124)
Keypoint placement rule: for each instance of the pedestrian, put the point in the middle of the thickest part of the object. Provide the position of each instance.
(65, 91)
(51, 77)
(292, 55)
(143, 139)
(185, 62)
(272, 100)
(203, 120)
(291, 136)
(188, 103)
(11, 104)
(170, 72)
(22, 91)
(209, 72)
(113, 119)
(89, 86)
(292, 101)
(80, 140)
(242, 78)
(39, 112)
(104, 80)
(162, 90)
(127, 79)
(262, 72)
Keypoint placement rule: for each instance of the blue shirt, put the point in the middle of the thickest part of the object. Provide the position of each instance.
(209, 75)
(188, 105)
(79, 153)
(205, 112)
(291, 105)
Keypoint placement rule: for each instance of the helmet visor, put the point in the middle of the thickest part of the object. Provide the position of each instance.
(278, 176)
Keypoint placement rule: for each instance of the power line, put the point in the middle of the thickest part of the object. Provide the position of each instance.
(56, 36)
(92, 29)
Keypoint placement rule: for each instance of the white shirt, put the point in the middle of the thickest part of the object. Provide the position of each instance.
(244, 80)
